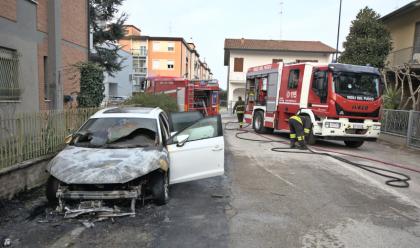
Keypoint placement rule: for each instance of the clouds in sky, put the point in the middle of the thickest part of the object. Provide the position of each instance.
(208, 23)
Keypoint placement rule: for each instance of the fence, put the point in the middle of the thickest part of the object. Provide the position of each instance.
(402, 123)
(31, 135)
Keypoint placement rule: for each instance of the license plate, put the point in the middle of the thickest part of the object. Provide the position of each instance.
(358, 126)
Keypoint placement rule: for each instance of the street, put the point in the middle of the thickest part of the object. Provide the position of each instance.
(265, 199)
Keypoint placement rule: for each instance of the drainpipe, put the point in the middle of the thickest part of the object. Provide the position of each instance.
(54, 52)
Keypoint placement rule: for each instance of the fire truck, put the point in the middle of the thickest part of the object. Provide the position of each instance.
(191, 95)
(342, 101)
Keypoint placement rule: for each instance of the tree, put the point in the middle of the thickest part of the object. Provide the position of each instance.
(369, 42)
(107, 29)
(91, 85)
(403, 92)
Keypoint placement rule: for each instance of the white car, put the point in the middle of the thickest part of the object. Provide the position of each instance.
(130, 153)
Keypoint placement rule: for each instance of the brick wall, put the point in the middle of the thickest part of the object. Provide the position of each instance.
(42, 16)
(74, 22)
(8, 9)
(70, 56)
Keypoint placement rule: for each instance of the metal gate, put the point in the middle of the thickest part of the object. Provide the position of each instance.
(413, 134)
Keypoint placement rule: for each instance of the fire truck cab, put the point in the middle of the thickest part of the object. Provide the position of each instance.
(342, 101)
(191, 95)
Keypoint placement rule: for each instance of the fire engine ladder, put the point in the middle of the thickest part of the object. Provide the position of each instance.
(190, 93)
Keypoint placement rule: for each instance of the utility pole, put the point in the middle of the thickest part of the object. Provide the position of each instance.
(281, 19)
(338, 33)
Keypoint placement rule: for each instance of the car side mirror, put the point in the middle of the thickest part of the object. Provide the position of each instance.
(181, 140)
(68, 139)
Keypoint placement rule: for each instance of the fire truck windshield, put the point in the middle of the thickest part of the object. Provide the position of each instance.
(357, 86)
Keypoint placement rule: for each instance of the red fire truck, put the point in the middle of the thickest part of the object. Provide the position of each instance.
(343, 101)
(191, 95)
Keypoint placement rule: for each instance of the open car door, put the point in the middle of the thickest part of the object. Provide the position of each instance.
(180, 120)
(197, 151)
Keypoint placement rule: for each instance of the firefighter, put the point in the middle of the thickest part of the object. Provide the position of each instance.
(300, 128)
(240, 110)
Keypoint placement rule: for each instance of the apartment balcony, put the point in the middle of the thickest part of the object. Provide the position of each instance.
(139, 52)
(404, 56)
(141, 71)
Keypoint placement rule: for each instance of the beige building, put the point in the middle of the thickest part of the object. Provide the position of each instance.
(404, 25)
(241, 54)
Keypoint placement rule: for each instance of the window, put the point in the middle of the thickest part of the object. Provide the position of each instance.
(293, 79)
(164, 128)
(275, 61)
(238, 65)
(9, 74)
(156, 65)
(320, 85)
(170, 64)
(203, 129)
(46, 84)
(417, 39)
(156, 46)
(306, 60)
(171, 46)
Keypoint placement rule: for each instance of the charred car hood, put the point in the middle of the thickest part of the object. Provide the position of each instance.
(80, 165)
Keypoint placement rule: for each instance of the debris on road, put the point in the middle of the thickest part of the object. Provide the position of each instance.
(95, 208)
(7, 242)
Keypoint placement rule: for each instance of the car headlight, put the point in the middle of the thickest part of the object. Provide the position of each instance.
(332, 124)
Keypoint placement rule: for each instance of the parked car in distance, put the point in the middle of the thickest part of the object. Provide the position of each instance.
(129, 153)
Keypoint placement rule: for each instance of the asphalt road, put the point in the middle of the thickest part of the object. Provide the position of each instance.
(265, 199)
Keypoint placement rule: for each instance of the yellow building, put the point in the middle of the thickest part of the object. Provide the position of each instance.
(404, 25)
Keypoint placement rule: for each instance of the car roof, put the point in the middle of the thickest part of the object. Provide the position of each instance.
(129, 111)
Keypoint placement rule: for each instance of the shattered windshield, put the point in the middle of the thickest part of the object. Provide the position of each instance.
(357, 86)
(117, 133)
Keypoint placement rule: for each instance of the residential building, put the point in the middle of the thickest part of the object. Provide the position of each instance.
(39, 43)
(404, 26)
(162, 56)
(241, 54)
(120, 84)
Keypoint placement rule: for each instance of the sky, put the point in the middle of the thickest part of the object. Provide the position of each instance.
(208, 23)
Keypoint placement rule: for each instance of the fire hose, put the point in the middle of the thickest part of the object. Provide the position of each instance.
(393, 178)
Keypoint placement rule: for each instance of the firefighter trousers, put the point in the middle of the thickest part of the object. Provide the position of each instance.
(296, 133)
(240, 118)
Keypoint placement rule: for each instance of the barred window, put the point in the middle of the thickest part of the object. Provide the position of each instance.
(9, 74)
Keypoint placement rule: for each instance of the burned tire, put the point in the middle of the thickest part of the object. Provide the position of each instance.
(160, 188)
(353, 144)
(51, 190)
(258, 123)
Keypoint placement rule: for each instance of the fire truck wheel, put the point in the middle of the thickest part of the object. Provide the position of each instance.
(311, 139)
(353, 144)
(259, 123)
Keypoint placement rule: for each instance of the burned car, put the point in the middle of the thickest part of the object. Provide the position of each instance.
(133, 153)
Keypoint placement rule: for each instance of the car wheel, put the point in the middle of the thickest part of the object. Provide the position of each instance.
(51, 190)
(160, 188)
(258, 123)
(353, 144)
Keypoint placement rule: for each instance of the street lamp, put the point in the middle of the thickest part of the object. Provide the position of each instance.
(338, 32)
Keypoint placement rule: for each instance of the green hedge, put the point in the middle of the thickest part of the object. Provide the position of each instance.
(165, 102)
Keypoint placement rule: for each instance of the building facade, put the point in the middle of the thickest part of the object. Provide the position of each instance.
(39, 43)
(162, 56)
(120, 84)
(241, 54)
(404, 26)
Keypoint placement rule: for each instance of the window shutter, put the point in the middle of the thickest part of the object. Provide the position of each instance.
(275, 61)
(238, 65)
